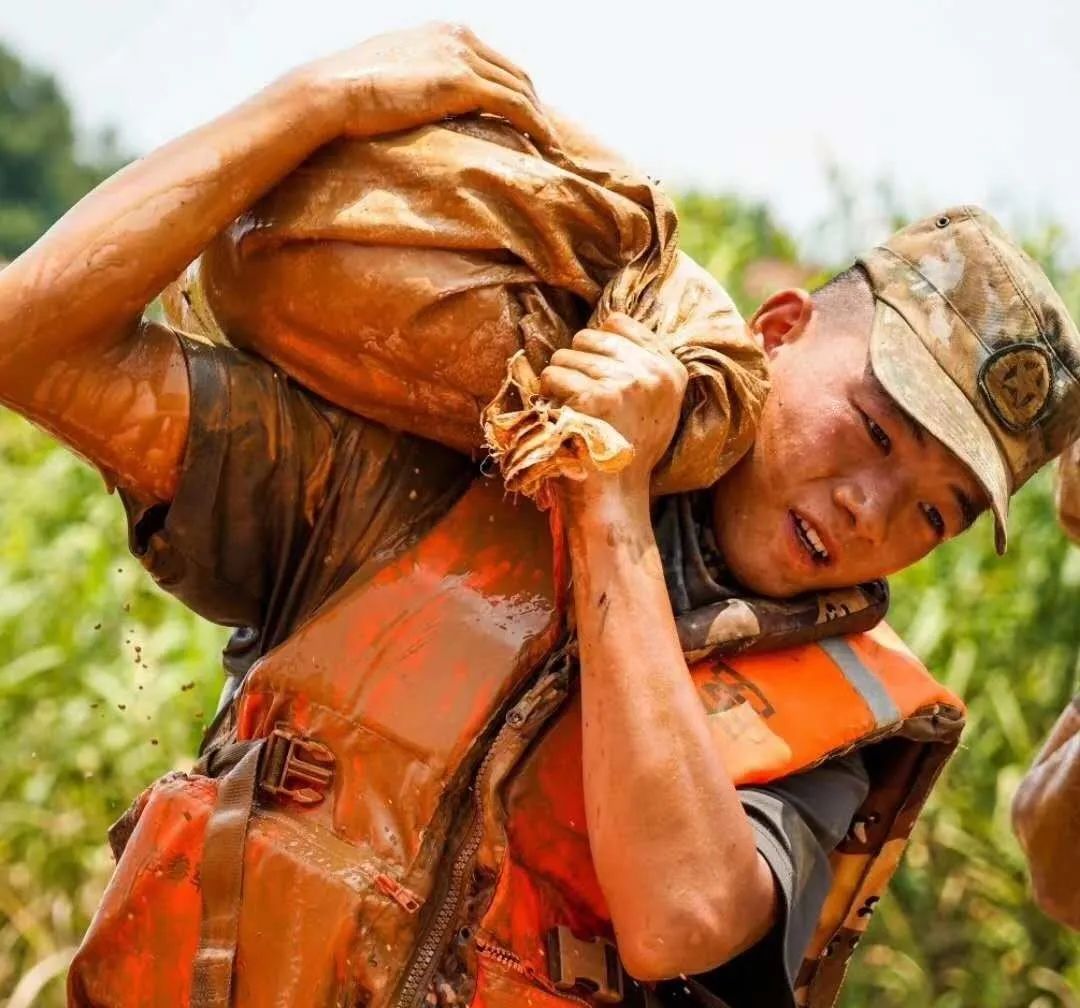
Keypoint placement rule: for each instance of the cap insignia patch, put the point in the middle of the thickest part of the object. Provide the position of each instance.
(1015, 382)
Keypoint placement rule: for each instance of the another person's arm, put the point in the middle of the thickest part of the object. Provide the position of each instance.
(74, 355)
(1046, 817)
(674, 850)
(1068, 491)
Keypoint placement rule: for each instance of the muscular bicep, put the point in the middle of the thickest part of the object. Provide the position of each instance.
(123, 407)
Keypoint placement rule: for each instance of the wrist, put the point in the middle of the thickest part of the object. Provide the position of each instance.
(606, 502)
(321, 101)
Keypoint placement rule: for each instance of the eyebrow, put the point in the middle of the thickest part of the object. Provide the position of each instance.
(915, 428)
(969, 510)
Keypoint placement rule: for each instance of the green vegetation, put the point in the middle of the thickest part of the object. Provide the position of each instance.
(97, 667)
(42, 169)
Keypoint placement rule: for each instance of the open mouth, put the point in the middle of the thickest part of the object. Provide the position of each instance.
(810, 538)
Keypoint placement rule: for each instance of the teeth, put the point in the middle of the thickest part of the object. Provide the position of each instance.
(811, 538)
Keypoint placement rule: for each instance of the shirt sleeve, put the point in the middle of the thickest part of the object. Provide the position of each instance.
(798, 822)
(281, 496)
(253, 473)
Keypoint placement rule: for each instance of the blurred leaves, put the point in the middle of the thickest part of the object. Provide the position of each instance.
(42, 171)
(1003, 632)
(93, 665)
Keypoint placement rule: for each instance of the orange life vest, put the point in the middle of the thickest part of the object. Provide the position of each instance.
(401, 804)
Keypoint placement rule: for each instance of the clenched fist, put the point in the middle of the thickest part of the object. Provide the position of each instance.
(619, 373)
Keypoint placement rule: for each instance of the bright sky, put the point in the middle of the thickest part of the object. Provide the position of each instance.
(948, 100)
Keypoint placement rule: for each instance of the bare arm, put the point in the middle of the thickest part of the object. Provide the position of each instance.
(673, 848)
(74, 356)
(1068, 491)
(1046, 817)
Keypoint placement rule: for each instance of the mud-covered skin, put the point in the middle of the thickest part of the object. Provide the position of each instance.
(834, 448)
(74, 356)
(1045, 819)
(693, 894)
(1067, 497)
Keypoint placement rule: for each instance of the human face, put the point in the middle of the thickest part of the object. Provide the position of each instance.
(840, 486)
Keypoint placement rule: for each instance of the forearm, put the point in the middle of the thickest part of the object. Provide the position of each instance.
(674, 851)
(90, 277)
(1046, 815)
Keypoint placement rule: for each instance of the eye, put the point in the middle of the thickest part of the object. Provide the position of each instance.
(876, 432)
(933, 516)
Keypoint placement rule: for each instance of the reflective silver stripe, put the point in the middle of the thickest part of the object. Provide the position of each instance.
(867, 684)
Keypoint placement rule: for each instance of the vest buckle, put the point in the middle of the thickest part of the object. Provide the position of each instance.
(295, 767)
(593, 965)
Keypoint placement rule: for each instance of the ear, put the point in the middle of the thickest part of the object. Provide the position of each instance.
(783, 318)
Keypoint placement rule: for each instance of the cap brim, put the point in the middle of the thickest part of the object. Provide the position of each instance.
(918, 383)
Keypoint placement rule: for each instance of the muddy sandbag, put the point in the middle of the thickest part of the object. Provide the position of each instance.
(424, 279)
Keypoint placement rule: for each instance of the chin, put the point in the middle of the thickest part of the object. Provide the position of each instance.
(769, 583)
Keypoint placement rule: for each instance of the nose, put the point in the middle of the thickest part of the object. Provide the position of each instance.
(866, 511)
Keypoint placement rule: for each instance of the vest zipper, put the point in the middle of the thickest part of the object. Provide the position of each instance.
(546, 695)
(504, 957)
(430, 948)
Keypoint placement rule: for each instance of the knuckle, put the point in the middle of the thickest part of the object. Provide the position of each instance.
(662, 374)
(668, 365)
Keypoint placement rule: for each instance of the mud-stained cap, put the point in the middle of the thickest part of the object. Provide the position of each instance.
(973, 342)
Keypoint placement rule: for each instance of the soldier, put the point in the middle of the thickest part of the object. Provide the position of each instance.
(408, 800)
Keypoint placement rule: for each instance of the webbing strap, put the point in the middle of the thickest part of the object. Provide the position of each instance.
(863, 679)
(222, 877)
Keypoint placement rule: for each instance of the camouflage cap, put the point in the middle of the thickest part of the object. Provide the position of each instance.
(974, 343)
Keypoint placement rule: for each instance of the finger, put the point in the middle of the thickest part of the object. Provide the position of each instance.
(564, 385)
(624, 325)
(594, 365)
(608, 344)
(516, 109)
(497, 75)
(482, 49)
(494, 71)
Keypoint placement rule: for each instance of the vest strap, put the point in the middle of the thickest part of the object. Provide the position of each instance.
(593, 965)
(863, 680)
(222, 883)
